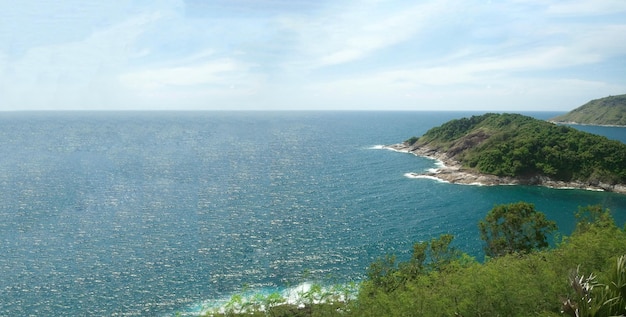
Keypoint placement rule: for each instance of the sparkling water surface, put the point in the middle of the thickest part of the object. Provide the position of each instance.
(111, 214)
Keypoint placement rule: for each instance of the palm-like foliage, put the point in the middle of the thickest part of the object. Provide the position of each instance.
(593, 299)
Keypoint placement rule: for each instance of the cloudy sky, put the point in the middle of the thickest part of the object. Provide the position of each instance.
(310, 54)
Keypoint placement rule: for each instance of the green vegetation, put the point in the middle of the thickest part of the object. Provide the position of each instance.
(411, 140)
(604, 111)
(519, 146)
(583, 275)
(516, 284)
(515, 228)
(596, 299)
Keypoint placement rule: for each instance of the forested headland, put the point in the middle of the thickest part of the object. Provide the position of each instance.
(609, 111)
(527, 149)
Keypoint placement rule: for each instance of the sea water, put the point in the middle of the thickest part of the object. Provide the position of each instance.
(153, 213)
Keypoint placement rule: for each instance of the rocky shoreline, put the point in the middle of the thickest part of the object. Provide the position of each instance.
(451, 171)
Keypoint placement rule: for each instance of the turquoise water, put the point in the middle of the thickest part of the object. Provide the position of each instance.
(153, 213)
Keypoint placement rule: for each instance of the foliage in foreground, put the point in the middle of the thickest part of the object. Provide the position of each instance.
(584, 275)
(518, 284)
(592, 298)
(512, 228)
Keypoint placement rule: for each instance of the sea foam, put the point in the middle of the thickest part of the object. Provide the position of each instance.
(297, 295)
(377, 147)
(422, 176)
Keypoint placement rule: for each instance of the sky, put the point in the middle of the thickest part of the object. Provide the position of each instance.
(515, 55)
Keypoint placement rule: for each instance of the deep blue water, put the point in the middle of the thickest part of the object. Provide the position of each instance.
(151, 213)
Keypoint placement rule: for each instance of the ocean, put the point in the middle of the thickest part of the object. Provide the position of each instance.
(154, 213)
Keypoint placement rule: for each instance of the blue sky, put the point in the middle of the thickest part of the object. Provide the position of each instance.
(518, 55)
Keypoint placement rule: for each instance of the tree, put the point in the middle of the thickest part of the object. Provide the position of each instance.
(590, 217)
(515, 228)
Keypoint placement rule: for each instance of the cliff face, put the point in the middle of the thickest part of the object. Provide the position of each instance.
(604, 111)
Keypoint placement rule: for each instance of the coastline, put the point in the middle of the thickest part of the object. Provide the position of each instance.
(451, 171)
(588, 124)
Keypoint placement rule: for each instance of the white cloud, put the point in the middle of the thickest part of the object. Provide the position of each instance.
(342, 56)
(601, 41)
(354, 54)
(471, 70)
(488, 53)
(202, 74)
(72, 75)
(586, 8)
(397, 92)
(355, 31)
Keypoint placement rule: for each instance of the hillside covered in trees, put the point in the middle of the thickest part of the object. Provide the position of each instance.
(604, 111)
(521, 147)
(585, 275)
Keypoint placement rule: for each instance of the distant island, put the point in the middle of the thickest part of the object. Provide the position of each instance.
(608, 111)
(493, 149)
